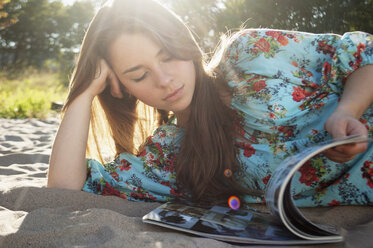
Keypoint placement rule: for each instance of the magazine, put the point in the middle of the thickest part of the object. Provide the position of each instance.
(282, 224)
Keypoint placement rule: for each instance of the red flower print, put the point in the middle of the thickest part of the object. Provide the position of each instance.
(367, 170)
(252, 34)
(327, 69)
(282, 40)
(142, 153)
(163, 135)
(286, 130)
(125, 165)
(274, 34)
(263, 45)
(266, 179)
(352, 64)
(175, 193)
(318, 106)
(110, 190)
(299, 94)
(325, 48)
(248, 149)
(239, 129)
(344, 178)
(172, 190)
(272, 116)
(115, 175)
(365, 123)
(138, 196)
(294, 63)
(334, 203)
(258, 86)
(159, 148)
(308, 174)
(360, 47)
(358, 57)
(170, 163)
(165, 183)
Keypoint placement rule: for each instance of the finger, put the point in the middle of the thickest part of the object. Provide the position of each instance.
(114, 85)
(352, 149)
(337, 157)
(101, 69)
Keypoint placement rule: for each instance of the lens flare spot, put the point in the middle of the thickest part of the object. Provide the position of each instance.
(234, 203)
(228, 173)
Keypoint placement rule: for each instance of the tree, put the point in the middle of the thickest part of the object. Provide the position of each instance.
(44, 31)
(209, 19)
(5, 19)
(318, 16)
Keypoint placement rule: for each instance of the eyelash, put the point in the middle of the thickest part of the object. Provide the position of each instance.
(168, 59)
(141, 78)
(146, 73)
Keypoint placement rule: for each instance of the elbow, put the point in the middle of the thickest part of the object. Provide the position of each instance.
(63, 183)
(59, 185)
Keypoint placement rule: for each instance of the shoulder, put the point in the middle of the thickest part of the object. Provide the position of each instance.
(250, 48)
(164, 135)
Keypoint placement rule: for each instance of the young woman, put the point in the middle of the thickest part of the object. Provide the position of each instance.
(265, 95)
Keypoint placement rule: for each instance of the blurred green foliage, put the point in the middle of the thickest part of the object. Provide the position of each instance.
(30, 96)
(44, 30)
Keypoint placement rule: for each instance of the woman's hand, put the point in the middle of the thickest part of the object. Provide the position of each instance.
(357, 97)
(341, 124)
(67, 167)
(104, 77)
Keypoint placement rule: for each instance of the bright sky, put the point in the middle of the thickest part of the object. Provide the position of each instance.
(68, 2)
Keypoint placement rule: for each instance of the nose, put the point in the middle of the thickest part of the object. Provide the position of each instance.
(163, 76)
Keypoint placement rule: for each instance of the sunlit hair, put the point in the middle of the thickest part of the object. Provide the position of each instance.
(207, 148)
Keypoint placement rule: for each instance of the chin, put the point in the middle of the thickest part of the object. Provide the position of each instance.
(177, 108)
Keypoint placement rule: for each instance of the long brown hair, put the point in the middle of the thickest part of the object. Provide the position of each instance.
(208, 147)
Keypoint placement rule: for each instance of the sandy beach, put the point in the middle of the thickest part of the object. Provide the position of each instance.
(35, 216)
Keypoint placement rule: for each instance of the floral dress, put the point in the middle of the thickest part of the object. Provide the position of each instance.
(286, 84)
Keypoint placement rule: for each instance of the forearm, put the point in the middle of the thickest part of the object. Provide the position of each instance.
(67, 167)
(358, 92)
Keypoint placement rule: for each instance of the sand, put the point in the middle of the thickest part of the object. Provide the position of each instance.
(35, 216)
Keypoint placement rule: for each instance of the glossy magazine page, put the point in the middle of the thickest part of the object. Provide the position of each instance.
(279, 199)
(222, 223)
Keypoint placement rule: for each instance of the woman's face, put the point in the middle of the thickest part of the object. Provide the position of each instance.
(151, 74)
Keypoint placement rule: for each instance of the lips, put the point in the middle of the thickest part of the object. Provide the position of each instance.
(174, 95)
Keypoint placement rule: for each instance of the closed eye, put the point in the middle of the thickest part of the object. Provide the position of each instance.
(141, 78)
(169, 58)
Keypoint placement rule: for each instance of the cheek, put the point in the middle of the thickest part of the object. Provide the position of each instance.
(145, 95)
(187, 67)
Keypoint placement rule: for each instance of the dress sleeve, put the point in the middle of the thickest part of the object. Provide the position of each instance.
(148, 176)
(298, 58)
(354, 50)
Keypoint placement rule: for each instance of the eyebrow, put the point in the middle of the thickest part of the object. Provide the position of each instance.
(161, 51)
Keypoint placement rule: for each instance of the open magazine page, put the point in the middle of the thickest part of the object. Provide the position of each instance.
(223, 223)
(279, 199)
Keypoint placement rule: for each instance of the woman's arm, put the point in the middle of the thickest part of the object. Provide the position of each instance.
(356, 98)
(67, 167)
